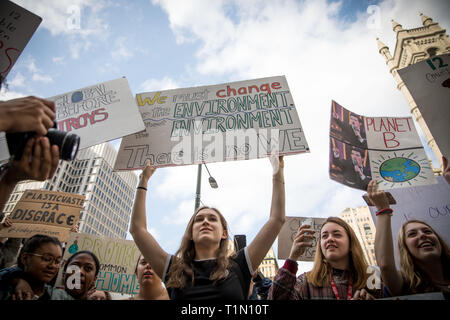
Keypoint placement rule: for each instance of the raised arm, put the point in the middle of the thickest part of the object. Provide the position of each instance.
(146, 243)
(384, 247)
(259, 247)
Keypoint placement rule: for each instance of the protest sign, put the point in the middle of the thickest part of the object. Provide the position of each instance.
(17, 25)
(428, 82)
(232, 121)
(288, 232)
(44, 212)
(99, 113)
(118, 260)
(430, 204)
(387, 149)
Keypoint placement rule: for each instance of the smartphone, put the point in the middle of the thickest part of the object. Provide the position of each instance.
(389, 195)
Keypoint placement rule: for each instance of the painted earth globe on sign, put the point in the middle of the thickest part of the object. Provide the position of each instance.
(399, 169)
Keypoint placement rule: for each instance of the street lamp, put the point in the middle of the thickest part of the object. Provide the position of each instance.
(212, 183)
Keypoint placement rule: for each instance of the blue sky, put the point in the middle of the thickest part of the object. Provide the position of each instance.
(326, 49)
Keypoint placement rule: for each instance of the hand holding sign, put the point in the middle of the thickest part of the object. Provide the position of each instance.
(302, 240)
(378, 198)
(147, 173)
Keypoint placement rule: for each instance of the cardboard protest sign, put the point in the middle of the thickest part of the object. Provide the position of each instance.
(387, 149)
(118, 260)
(44, 212)
(17, 25)
(430, 204)
(226, 122)
(428, 82)
(99, 113)
(288, 232)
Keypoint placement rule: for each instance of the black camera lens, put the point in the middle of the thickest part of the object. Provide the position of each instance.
(68, 143)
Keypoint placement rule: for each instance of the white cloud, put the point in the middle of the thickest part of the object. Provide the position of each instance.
(58, 60)
(69, 17)
(18, 80)
(323, 58)
(8, 95)
(35, 72)
(165, 83)
(42, 78)
(122, 51)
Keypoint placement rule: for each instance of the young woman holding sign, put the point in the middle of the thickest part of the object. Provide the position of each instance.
(201, 268)
(424, 256)
(339, 272)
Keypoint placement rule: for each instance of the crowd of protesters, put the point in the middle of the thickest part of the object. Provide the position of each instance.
(202, 267)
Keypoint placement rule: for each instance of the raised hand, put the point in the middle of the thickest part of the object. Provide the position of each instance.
(147, 172)
(302, 240)
(378, 198)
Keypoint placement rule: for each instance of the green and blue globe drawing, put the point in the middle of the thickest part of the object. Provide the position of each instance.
(399, 169)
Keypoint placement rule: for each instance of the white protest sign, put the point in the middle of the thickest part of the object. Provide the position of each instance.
(387, 149)
(99, 113)
(118, 260)
(430, 204)
(428, 82)
(232, 121)
(17, 25)
(289, 231)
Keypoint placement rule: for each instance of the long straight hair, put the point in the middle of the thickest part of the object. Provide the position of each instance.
(413, 275)
(320, 275)
(181, 270)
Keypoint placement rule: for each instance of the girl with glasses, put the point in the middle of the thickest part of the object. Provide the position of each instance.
(38, 263)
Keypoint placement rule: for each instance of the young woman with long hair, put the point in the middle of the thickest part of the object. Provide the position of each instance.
(423, 255)
(339, 271)
(201, 268)
(150, 285)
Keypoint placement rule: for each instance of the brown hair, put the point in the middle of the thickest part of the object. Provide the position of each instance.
(320, 275)
(181, 269)
(412, 274)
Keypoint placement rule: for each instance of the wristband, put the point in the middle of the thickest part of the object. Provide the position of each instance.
(143, 188)
(385, 211)
(291, 266)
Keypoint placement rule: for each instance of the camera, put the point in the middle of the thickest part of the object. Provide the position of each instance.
(67, 143)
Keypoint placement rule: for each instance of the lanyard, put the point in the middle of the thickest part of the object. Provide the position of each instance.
(336, 293)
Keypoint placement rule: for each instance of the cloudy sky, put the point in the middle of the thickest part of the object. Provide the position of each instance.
(326, 49)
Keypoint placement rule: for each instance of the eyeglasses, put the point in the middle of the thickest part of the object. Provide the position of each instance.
(48, 258)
